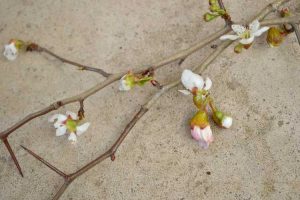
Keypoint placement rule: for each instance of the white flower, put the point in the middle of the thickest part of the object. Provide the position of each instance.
(68, 122)
(226, 122)
(203, 136)
(190, 80)
(124, 86)
(246, 34)
(10, 51)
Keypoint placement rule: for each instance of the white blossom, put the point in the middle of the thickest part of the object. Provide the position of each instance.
(68, 122)
(190, 80)
(246, 34)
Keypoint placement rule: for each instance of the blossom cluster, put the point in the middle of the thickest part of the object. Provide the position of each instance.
(200, 126)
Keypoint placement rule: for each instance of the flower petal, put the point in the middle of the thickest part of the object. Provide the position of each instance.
(254, 26)
(190, 80)
(196, 133)
(198, 81)
(226, 122)
(203, 144)
(58, 117)
(248, 40)
(186, 77)
(72, 137)
(74, 116)
(238, 29)
(208, 84)
(82, 128)
(260, 31)
(123, 85)
(229, 37)
(185, 92)
(207, 134)
(61, 130)
(10, 51)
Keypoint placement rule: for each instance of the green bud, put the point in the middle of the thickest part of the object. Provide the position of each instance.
(214, 8)
(285, 12)
(238, 48)
(18, 43)
(213, 2)
(209, 17)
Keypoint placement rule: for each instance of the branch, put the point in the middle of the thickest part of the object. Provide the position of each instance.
(226, 17)
(111, 152)
(181, 55)
(278, 21)
(36, 47)
(12, 154)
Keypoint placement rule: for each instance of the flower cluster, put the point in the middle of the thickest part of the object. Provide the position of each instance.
(69, 122)
(247, 34)
(215, 11)
(200, 126)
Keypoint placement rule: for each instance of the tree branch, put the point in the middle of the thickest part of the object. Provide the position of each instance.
(12, 154)
(36, 47)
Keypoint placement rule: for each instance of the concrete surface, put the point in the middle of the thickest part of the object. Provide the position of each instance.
(258, 158)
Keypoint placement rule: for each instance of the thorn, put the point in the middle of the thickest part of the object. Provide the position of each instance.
(214, 46)
(12, 154)
(181, 61)
(45, 162)
(113, 157)
(156, 84)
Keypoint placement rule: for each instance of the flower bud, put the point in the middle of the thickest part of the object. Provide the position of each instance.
(209, 17)
(238, 48)
(127, 82)
(275, 36)
(285, 12)
(200, 129)
(213, 2)
(214, 8)
(221, 119)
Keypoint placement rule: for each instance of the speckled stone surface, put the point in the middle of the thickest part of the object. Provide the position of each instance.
(258, 158)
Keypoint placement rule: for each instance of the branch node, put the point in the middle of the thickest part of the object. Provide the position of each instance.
(112, 157)
(81, 110)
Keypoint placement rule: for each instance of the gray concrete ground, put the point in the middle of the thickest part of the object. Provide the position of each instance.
(258, 158)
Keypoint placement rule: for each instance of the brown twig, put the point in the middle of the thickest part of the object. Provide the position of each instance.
(226, 17)
(12, 154)
(36, 47)
(110, 153)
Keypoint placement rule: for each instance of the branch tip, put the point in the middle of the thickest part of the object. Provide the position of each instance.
(13, 156)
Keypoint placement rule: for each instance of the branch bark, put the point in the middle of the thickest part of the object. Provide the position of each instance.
(114, 77)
